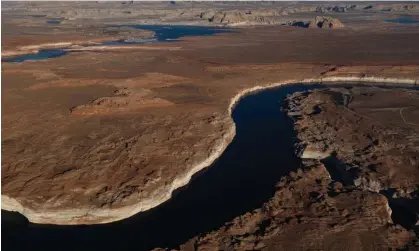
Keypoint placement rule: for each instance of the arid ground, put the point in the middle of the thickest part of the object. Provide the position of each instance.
(105, 132)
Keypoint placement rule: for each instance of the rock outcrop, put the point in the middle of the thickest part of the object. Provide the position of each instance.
(128, 33)
(325, 23)
(371, 136)
(371, 133)
(310, 212)
(317, 22)
(236, 17)
(322, 206)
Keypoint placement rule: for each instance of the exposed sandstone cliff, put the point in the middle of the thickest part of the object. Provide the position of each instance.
(325, 23)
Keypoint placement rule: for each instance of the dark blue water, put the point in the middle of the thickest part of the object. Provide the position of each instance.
(163, 33)
(403, 20)
(241, 180)
(42, 54)
(172, 32)
(53, 22)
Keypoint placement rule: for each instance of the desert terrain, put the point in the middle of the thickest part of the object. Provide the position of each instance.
(105, 132)
(356, 186)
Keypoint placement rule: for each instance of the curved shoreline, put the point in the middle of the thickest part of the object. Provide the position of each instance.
(33, 49)
(101, 216)
(78, 48)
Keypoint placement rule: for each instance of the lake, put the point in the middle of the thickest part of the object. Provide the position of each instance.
(403, 20)
(163, 33)
(241, 180)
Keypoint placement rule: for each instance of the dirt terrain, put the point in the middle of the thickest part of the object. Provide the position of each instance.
(205, 13)
(372, 132)
(357, 186)
(30, 26)
(97, 136)
(70, 39)
(310, 211)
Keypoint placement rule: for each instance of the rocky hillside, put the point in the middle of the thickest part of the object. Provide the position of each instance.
(326, 23)
(318, 22)
(203, 13)
(310, 211)
(369, 140)
(356, 188)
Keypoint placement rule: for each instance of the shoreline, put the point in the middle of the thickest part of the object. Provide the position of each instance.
(76, 45)
(33, 49)
(88, 216)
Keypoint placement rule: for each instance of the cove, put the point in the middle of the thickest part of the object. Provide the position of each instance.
(242, 179)
(173, 32)
(403, 20)
(163, 33)
(41, 54)
(54, 22)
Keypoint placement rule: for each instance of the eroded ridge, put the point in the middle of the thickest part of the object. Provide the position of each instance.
(356, 186)
(309, 211)
(367, 137)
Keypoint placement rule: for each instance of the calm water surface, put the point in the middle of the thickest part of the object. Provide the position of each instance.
(241, 180)
(41, 54)
(53, 22)
(404, 20)
(163, 33)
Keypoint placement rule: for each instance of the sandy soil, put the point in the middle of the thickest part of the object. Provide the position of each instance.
(96, 137)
